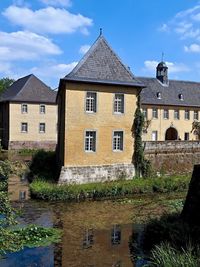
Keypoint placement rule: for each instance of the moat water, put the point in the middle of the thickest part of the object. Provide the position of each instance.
(95, 234)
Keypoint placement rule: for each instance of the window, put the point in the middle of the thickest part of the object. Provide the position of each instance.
(42, 127)
(187, 114)
(155, 113)
(154, 136)
(42, 109)
(24, 108)
(186, 136)
(180, 96)
(24, 127)
(116, 235)
(166, 114)
(196, 115)
(145, 113)
(118, 141)
(90, 141)
(176, 114)
(158, 94)
(119, 103)
(91, 102)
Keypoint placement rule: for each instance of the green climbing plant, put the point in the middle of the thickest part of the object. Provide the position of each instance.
(142, 165)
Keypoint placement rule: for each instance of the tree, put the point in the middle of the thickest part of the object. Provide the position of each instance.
(5, 83)
(142, 166)
(196, 128)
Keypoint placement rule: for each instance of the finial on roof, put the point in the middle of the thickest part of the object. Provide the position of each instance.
(101, 31)
(162, 56)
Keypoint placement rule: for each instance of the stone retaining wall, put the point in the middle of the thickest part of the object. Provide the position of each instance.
(89, 174)
(46, 145)
(173, 156)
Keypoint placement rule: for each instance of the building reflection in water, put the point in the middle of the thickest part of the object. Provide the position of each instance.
(116, 235)
(88, 240)
(18, 188)
(96, 247)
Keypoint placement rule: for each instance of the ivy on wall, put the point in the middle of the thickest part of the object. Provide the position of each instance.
(142, 166)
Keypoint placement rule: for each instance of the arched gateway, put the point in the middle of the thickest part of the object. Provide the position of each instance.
(171, 134)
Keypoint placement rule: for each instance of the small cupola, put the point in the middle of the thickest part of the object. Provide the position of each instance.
(162, 73)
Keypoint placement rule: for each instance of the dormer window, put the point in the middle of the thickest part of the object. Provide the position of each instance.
(158, 94)
(180, 96)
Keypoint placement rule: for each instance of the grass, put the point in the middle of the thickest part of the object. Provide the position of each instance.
(166, 256)
(45, 190)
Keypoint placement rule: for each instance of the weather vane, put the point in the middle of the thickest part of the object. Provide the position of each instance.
(101, 31)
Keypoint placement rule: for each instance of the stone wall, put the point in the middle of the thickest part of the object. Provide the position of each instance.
(89, 174)
(46, 145)
(173, 156)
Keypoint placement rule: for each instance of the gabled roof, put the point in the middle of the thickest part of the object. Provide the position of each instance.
(170, 94)
(101, 65)
(29, 89)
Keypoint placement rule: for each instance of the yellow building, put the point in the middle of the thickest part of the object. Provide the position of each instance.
(96, 106)
(169, 106)
(28, 115)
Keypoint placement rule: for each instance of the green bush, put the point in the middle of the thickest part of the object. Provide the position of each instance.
(43, 165)
(42, 189)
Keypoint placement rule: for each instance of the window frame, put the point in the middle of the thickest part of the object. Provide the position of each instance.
(156, 136)
(22, 108)
(95, 144)
(164, 113)
(42, 105)
(176, 111)
(187, 114)
(156, 113)
(40, 124)
(24, 123)
(145, 113)
(95, 107)
(123, 104)
(196, 112)
(121, 145)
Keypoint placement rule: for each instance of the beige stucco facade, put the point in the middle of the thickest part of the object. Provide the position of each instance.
(33, 137)
(74, 121)
(104, 122)
(160, 124)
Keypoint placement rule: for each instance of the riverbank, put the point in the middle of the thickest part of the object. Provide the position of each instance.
(44, 190)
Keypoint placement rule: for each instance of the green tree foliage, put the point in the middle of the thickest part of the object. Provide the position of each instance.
(196, 128)
(142, 166)
(5, 83)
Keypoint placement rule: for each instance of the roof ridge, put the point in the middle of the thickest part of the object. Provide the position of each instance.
(84, 57)
(119, 59)
(30, 75)
(173, 80)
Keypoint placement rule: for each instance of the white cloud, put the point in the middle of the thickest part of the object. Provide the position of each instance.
(47, 20)
(65, 3)
(185, 23)
(150, 67)
(84, 48)
(55, 70)
(193, 48)
(25, 46)
(164, 28)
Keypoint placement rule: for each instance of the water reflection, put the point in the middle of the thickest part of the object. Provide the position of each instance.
(18, 188)
(94, 235)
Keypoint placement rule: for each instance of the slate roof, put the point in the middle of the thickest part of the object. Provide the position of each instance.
(29, 89)
(101, 65)
(170, 94)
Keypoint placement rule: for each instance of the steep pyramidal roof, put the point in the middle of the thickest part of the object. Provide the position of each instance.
(101, 65)
(29, 89)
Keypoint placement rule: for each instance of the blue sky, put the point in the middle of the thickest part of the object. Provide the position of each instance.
(48, 37)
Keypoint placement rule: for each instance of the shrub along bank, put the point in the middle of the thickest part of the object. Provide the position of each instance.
(45, 190)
